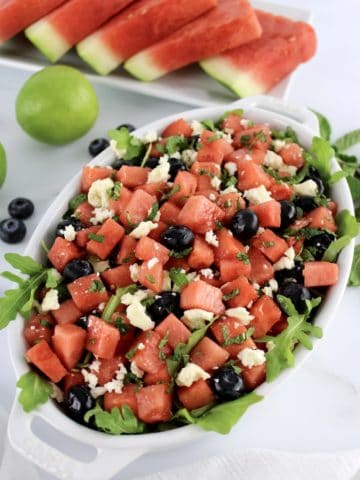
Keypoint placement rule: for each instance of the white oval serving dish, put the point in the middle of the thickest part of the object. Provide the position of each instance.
(115, 452)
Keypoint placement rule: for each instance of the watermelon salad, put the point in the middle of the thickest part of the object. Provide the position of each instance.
(182, 277)
(247, 50)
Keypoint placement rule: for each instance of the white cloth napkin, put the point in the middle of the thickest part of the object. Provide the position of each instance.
(268, 465)
(12, 465)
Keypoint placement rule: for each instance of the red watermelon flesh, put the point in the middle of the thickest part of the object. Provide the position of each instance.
(230, 24)
(259, 65)
(15, 15)
(66, 26)
(138, 27)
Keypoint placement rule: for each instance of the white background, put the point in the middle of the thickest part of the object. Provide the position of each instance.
(318, 409)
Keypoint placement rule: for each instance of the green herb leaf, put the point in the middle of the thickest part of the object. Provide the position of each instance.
(354, 279)
(24, 264)
(175, 143)
(97, 286)
(348, 228)
(178, 277)
(228, 340)
(347, 141)
(150, 278)
(3, 165)
(281, 356)
(243, 257)
(321, 156)
(115, 301)
(209, 125)
(53, 278)
(324, 125)
(132, 146)
(147, 155)
(35, 391)
(231, 295)
(175, 189)
(76, 201)
(182, 254)
(115, 192)
(153, 211)
(117, 421)
(222, 417)
(96, 238)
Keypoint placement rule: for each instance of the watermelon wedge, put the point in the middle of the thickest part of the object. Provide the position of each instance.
(15, 15)
(63, 28)
(139, 26)
(231, 23)
(258, 66)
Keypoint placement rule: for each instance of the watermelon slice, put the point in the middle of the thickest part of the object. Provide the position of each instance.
(15, 15)
(141, 25)
(230, 24)
(63, 28)
(258, 66)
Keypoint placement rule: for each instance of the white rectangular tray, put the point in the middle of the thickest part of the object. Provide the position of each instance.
(188, 86)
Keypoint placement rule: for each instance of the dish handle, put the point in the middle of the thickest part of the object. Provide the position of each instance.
(105, 465)
(301, 115)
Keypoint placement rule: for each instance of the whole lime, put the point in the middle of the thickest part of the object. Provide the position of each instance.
(57, 105)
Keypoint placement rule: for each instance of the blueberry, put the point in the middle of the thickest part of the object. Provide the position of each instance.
(152, 162)
(128, 126)
(72, 221)
(165, 303)
(288, 213)
(227, 384)
(97, 146)
(12, 230)
(21, 208)
(177, 238)
(76, 269)
(176, 165)
(83, 322)
(78, 401)
(193, 140)
(318, 244)
(244, 224)
(118, 163)
(305, 203)
(297, 293)
(294, 275)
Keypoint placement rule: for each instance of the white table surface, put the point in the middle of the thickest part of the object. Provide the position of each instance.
(318, 409)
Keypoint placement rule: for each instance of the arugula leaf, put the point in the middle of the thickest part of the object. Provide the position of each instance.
(117, 421)
(354, 184)
(281, 356)
(35, 391)
(53, 278)
(12, 277)
(220, 418)
(3, 165)
(320, 157)
(115, 301)
(324, 125)
(347, 141)
(178, 277)
(24, 264)
(348, 228)
(354, 280)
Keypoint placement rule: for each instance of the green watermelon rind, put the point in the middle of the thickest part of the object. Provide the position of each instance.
(47, 39)
(98, 55)
(238, 80)
(143, 67)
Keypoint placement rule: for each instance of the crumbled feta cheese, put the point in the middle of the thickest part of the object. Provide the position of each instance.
(192, 276)
(95, 365)
(224, 135)
(161, 172)
(308, 188)
(189, 374)
(166, 284)
(138, 317)
(257, 195)
(197, 318)
(251, 357)
(134, 272)
(136, 370)
(116, 385)
(98, 195)
(152, 262)
(118, 153)
(247, 157)
(212, 197)
(99, 266)
(207, 273)
(245, 122)
(216, 182)
(211, 238)
(138, 296)
(273, 160)
(97, 392)
(57, 393)
(230, 189)
(273, 284)
(101, 306)
(189, 156)
(267, 291)
(100, 215)
(288, 170)
(278, 145)
(176, 155)
(150, 137)
(230, 131)
(143, 229)
(231, 168)
(69, 233)
(241, 314)
(50, 301)
(197, 127)
(140, 346)
(287, 261)
(90, 378)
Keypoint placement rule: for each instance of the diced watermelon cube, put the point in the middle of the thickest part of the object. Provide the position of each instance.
(147, 248)
(322, 218)
(102, 338)
(39, 327)
(117, 206)
(281, 191)
(69, 343)
(67, 313)
(208, 354)
(179, 127)
(247, 292)
(156, 189)
(132, 176)
(197, 395)
(88, 292)
(175, 331)
(261, 269)
(117, 277)
(84, 212)
(252, 175)
(232, 269)
(228, 247)
(253, 377)
(62, 252)
(160, 376)
(118, 400)
(270, 244)
(199, 294)
(202, 254)
(268, 213)
(127, 251)
(109, 235)
(266, 313)
(200, 214)
(320, 274)
(292, 154)
(90, 174)
(46, 361)
(138, 208)
(258, 137)
(82, 236)
(151, 275)
(154, 403)
(169, 213)
(148, 358)
(256, 155)
(230, 203)
(213, 150)
(185, 184)
(226, 328)
(107, 369)
(71, 379)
